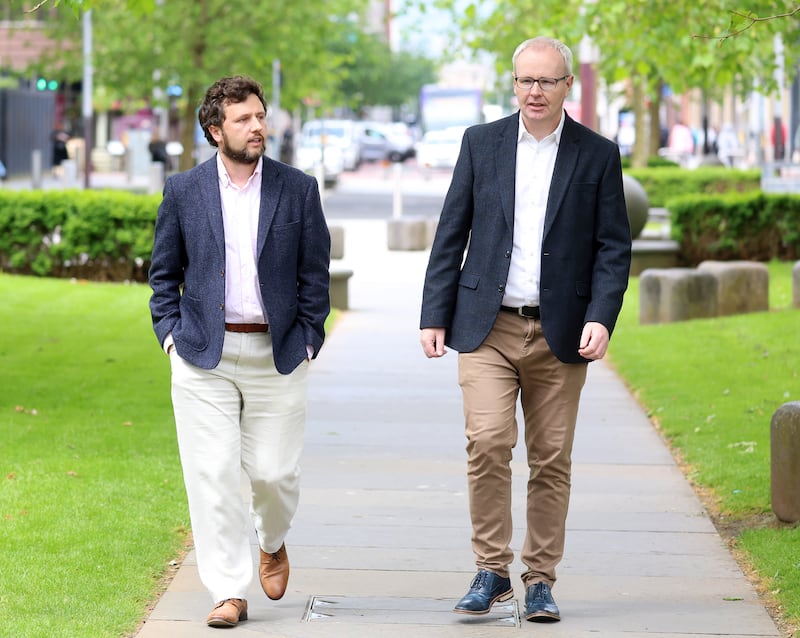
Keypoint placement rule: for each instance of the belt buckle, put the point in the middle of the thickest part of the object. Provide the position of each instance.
(521, 311)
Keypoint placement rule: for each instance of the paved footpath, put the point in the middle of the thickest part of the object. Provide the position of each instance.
(381, 542)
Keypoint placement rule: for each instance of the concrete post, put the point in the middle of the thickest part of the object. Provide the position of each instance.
(36, 168)
(785, 462)
(796, 285)
(70, 173)
(155, 178)
(397, 194)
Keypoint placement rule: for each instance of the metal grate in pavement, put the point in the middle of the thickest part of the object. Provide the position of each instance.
(404, 611)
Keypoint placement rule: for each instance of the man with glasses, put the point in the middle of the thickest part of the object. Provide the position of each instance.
(525, 280)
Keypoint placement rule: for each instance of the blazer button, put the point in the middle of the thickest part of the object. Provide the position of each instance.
(508, 254)
(501, 289)
(222, 306)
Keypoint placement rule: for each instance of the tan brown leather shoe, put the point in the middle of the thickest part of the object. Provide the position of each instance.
(274, 573)
(227, 613)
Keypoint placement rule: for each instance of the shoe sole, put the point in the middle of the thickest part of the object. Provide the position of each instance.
(499, 599)
(221, 622)
(542, 616)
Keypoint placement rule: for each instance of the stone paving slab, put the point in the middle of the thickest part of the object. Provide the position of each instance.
(383, 512)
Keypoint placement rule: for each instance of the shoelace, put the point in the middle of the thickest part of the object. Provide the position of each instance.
(477, 582)
(277, 555)
(539, 592)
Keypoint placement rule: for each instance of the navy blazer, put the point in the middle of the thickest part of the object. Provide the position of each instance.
(187, 272)
(586, 246)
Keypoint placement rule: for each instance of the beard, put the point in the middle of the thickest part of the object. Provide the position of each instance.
(241, 155)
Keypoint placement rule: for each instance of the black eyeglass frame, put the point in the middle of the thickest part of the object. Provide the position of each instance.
(543, 87)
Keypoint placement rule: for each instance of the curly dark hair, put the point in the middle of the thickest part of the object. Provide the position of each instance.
(224, 91)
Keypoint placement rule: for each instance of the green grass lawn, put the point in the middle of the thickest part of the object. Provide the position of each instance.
(92, 505)
(712, 387)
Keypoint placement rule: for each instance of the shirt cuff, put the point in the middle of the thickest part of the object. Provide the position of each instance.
(168, 342)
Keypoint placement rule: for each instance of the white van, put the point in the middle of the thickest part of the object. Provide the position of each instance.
(342, 134)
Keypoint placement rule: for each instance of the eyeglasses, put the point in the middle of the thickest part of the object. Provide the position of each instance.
(546, 84)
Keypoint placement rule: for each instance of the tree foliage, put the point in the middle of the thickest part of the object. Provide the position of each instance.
(643, 44)
(325, 56)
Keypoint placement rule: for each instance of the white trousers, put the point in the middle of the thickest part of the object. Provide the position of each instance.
(243, 414)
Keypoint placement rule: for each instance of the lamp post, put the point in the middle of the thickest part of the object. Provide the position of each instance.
(88, 72)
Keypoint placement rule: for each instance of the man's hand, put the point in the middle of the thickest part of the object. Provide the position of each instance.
(594, 341)
(432, 340)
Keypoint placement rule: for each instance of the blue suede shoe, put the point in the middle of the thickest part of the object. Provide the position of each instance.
(486, 589)
(539, 604)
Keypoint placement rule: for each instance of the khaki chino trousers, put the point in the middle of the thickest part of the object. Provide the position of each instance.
(515, 362)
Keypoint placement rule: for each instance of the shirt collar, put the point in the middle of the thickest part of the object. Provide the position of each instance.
(224, 178)
(555, 136)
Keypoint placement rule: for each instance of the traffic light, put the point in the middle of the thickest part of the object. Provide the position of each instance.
(43, 84)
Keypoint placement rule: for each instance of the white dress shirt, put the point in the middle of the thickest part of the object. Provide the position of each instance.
(240, 207)
(536, 160)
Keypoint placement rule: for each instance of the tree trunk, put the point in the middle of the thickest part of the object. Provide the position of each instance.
(187, 136)
(640, 144)
(655, 121)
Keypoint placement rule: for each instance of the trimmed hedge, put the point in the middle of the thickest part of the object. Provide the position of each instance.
(101, 235)
(662, 184)
(753, 226)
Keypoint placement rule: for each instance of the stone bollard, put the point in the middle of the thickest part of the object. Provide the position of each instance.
(433, 225)
(337, 242)
(785, 462)
(742, 286)
(796, 285)
(340, 297)
(676, 294)
(155, 178)
(636, 203)
(407, 234)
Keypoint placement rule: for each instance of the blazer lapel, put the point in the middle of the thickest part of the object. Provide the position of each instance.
(211, 198)
(506, 166)
(566, 160)
(271, 185)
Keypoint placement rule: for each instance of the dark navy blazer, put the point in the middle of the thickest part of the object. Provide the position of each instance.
(187, 272)
(586, 246)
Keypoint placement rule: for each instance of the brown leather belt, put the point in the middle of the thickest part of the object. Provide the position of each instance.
(531, 312)
(247, 327)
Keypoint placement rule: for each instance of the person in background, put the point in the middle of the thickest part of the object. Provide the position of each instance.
(525, 280)
(240, 296)
(59, 138)
(728, 145)
(158, 150)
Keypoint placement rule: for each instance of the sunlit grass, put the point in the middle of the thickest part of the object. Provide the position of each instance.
(92, 505)
(712, 387)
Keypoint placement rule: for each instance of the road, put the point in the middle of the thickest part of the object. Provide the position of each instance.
(369, 192)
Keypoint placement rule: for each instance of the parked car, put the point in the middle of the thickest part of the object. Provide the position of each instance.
(439, 149)
(309, 157)
(342, 134)
(385, 141)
